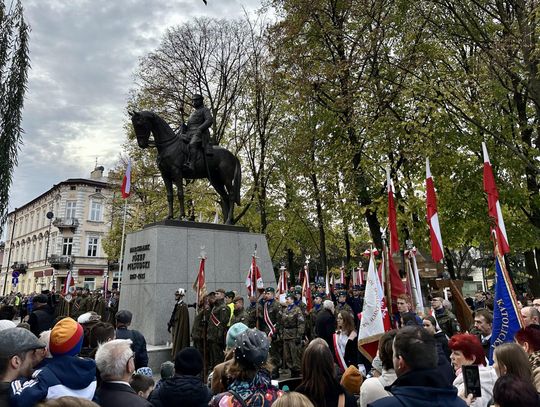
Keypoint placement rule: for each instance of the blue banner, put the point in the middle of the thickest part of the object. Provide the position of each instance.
(506, 316)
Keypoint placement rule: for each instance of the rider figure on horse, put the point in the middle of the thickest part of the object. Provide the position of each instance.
(197, 130)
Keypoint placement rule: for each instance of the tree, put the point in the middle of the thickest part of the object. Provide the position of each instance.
(14, 63)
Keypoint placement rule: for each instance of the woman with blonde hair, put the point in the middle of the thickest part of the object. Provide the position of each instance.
(293, 399)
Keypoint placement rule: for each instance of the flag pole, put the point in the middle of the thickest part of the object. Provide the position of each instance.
(122, 246)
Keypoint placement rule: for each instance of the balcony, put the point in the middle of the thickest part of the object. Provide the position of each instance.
(66, 223)
(59, 262)
(20, 267)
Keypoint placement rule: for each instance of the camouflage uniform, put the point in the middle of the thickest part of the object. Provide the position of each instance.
(217, 329)
(293, 330)
(343, 307)
(251, 311)
(274, 313)
(198, 333)
(239, 316)
(311, 322)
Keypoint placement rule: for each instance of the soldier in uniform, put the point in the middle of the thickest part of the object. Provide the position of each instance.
(298, 300)
(217, 329)
(252, 313)
(341, 304)
(179, 323)
(270, 323)
(313, 313)
(293, 331)
(199, 330)
(356, 302)
(239, 314)
(197, 129)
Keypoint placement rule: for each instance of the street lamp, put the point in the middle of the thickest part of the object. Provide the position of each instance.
(50, 216)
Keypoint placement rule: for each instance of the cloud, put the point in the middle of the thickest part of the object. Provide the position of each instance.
(83, 56)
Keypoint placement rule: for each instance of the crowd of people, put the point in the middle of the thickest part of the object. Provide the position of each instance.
(270, 351)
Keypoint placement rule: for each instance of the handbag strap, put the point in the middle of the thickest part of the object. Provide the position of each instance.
(240, 399)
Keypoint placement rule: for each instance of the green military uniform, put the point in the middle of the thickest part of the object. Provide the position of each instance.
(447, 322)
(239, 316)
(251, 311)
(343, 307)
(199, 332)
(270, 323)
(217, 329)
(293, 331)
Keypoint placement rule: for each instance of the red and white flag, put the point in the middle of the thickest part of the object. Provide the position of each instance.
(437, 252)
(200, 282)
(283, 283)
(372, 321)
(392, 217)
(254, 279)
(494, 206)
(68, 284)
(342, 274)
(126, 182)
(306, 289)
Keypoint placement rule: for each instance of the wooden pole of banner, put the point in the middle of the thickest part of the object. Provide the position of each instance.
(122, 246)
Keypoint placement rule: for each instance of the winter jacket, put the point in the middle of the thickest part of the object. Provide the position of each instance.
(184, 390)
(4, 394)
(119, 395)
(62, 376)
(138, 346)
(420, 388)
(534, 360)
(41, 319)
(488, 377)
(374, 388)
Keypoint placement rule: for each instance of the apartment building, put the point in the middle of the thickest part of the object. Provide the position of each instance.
(60, 230)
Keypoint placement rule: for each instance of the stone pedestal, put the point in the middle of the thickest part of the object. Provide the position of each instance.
(164, 256)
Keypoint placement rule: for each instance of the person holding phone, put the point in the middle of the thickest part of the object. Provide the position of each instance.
(467, 351)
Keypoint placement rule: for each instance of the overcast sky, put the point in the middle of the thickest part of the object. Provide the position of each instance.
(83, 55)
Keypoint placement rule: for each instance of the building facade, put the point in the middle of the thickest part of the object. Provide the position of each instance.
(60, 230)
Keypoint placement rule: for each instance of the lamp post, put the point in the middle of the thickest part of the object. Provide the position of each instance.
(11, 246)
(50, 216)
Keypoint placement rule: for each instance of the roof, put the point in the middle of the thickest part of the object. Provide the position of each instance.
(69, 181)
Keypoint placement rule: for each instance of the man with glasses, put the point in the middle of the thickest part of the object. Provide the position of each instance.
(20, 351)
(115, 361)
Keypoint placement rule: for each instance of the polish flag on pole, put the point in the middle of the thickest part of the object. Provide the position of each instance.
(283, 283)
(372, 321)
(437, 252)
(494, 207)
(254, 279)
(68, 284)
(342, 274)
(392, 217)
(200, 282)
(126, 182)
(306, 289)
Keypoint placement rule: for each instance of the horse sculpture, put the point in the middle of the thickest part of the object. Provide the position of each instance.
(221, 168)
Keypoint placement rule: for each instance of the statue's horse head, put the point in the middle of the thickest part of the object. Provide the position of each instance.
(142, 124)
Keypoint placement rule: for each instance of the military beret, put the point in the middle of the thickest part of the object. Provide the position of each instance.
(289, 294)
(356, 287)
(269, 290)
(342, 292)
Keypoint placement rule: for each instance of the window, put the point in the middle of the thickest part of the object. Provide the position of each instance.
(72, 188)
(90, 283)
(67, 246)
(92, 246)
(70, 209)
(95, 211)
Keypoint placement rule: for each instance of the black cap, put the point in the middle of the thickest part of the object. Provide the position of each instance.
(229, 294)
(251, 347)
(17, 340)
(188, 362)
(269, 290)
(40, 298)
(344, 293)
(124, 316)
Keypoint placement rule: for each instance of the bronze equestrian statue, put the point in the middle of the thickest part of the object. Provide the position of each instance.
(220, 167)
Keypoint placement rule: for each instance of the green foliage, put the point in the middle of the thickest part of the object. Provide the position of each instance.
(14, 63)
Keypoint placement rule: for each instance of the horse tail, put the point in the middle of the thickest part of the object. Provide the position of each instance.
(237, 181)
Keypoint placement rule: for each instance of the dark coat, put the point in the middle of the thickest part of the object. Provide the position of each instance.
(332, 396)
(119, 395)
(420, 388)
(441, 338)
(138, 346)
(4, 394)
(325, 326)
(187, 391)
(41, 319)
